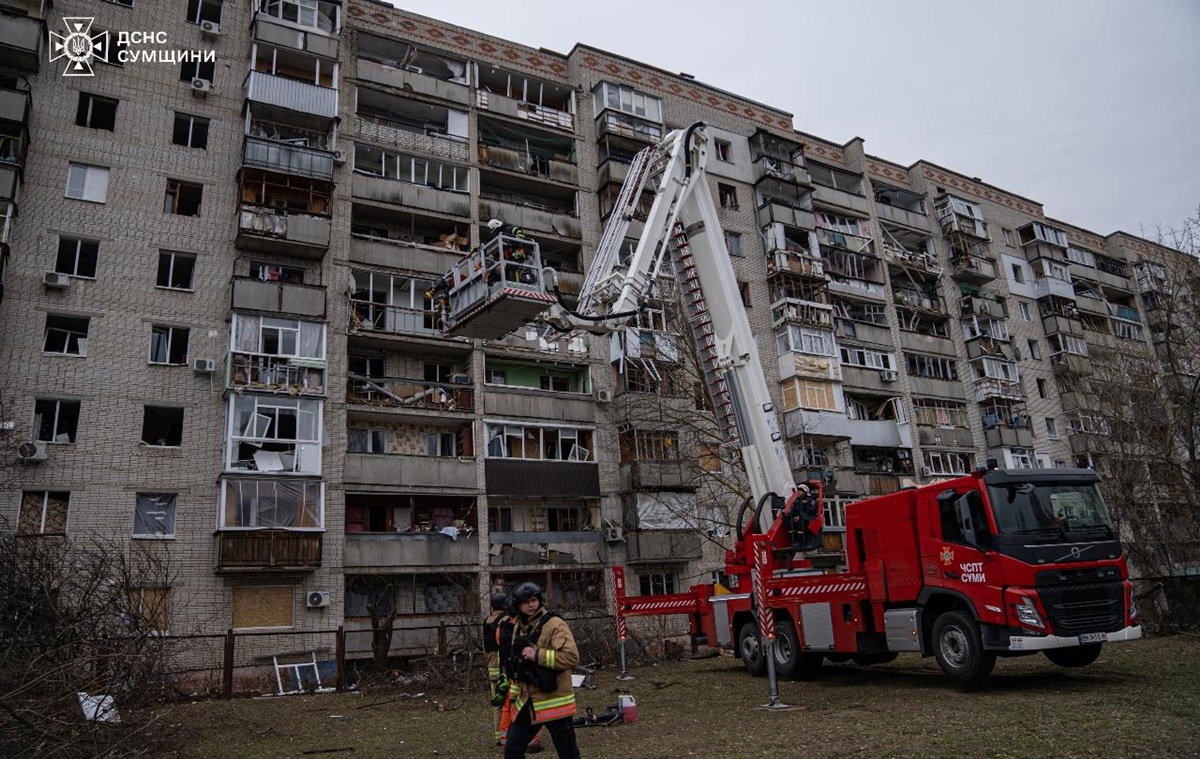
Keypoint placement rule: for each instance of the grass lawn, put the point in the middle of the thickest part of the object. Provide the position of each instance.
(1141, 699)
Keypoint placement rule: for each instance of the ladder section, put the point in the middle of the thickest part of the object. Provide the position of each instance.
(705, 337)
(616, 228)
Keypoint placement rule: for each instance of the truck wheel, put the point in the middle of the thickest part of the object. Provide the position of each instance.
(959, 650)
(751, 650)
(1076, 656)
(787, 649)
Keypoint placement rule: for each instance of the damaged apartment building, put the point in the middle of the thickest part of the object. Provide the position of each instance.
(215, 328)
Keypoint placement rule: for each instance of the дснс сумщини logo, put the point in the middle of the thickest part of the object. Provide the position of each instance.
(79, 46)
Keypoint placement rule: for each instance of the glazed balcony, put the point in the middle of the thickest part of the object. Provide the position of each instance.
(775, 212)
(287, 159)
(613, 124)
(990, 388)
(865, 432)
(312, 41)
(1053, 286)
(249, 551)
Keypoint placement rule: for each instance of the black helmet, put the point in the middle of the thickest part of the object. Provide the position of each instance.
(499, 602)
(526, 591)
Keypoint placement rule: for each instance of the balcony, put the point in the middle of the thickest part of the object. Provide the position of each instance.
(520, 109)
(870, 379)
(542, 547)
(542, 478)
(402, 254)
(263, 373)
(1071, 365)
(1128, 313)
(268, 551)
(938, 388)
(14, 106)
(21, 41)
(973, 269)
(915, 341)
(393, 471)
(530, 219)
(855, 287)
(266, 29)
(912, 259)
(1053, 286)
(806, 312)
(841, 199)
(1092, 306)
(988, 388)
(413, 81)
(613, 172)
(440, 398)
(380, 551)
(292, 94)
(773, 212)
(531, 403)
(438, 144)
(830, 238)
(287, 159)
(1010, 437)
(945, 437)
(269, 230)
(411, 195)
(919, 301)
(898, 215)
(656, 473)
(865, 432)
(1058, 323)
(768, 167)
(10, 181)
(542, 167)
(663, 546)
(613, 124)
(799, 264)
(253, 294)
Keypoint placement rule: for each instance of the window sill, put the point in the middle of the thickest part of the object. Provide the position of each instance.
(86, 200)
(153, 537)
(175, 289)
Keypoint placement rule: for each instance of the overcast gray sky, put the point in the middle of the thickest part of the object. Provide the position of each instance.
(1091, 107)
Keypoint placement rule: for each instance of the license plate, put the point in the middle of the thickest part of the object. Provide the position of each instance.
(1093, 638)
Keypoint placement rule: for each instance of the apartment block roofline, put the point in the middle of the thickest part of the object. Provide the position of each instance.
(1075, 234)
(1137, 242)
(542, 62)
(687, 80)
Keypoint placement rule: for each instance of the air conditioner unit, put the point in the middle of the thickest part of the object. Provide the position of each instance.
(887, 376)
(318, 599)
(34, 450)
(926, 471)
(603, 396)
(614, 534)
(204, 365)
(56, 280)
(211, 28)
(339, 156)
(201, 87)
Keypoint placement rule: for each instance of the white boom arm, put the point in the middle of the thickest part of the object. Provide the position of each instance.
(683, 224)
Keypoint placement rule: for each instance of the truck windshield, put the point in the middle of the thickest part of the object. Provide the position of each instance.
(1025, 508)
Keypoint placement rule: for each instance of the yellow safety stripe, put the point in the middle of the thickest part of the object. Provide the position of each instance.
(551, 703)
(550, 658)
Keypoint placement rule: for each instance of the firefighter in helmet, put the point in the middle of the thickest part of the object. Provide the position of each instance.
(497, 682)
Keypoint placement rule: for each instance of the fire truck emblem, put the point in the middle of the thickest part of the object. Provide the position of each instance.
(947, 556)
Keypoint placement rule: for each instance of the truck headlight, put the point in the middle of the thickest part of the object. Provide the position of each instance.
(1027, 614)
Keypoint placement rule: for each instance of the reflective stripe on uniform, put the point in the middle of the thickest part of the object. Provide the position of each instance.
(550, 658)
(554, 708)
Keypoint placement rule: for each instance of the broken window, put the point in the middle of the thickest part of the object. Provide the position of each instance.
(154, 515)
(169, 345)
(76, 257)
(162, 426)
(56, 421)
(183, 198)
(175, 270)
(66, 335)
(96, 112)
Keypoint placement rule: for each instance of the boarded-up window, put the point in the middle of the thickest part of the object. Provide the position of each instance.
(798, 393)
(710, 457)
(43, 513)
(150, 608)
(262, 607)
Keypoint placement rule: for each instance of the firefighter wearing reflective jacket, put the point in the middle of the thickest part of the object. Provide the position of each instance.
(543, 656)
(508, 689)
(497, 684)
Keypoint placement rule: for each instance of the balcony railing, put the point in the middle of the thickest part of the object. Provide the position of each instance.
(990, 387)
(411, 81)
(792, 262)
(265, 373)
(397, 320)
(846, 241)
(379, 130)
(911, 258)
(21, 41)
(976, 269)
(527, 163)
(409, 549)
(1047, 286)
(254, 294)
(804, 312)
(292, 94)
(620, 125)
(538, 114)
(410, 471)
(919, 300)
(394, 392)
(1125, 312)
(272, 230)
(14, 106)
(288, 159)
(267, 550)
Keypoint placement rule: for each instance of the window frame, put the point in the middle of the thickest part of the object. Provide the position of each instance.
(170, 423)
(174, 197)
(170, 344)
(173, 256)
(58, 415)
(77, 256)
(168, 509)
(45, 504)
(84, 117)
(94, 185)
(193, 122)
